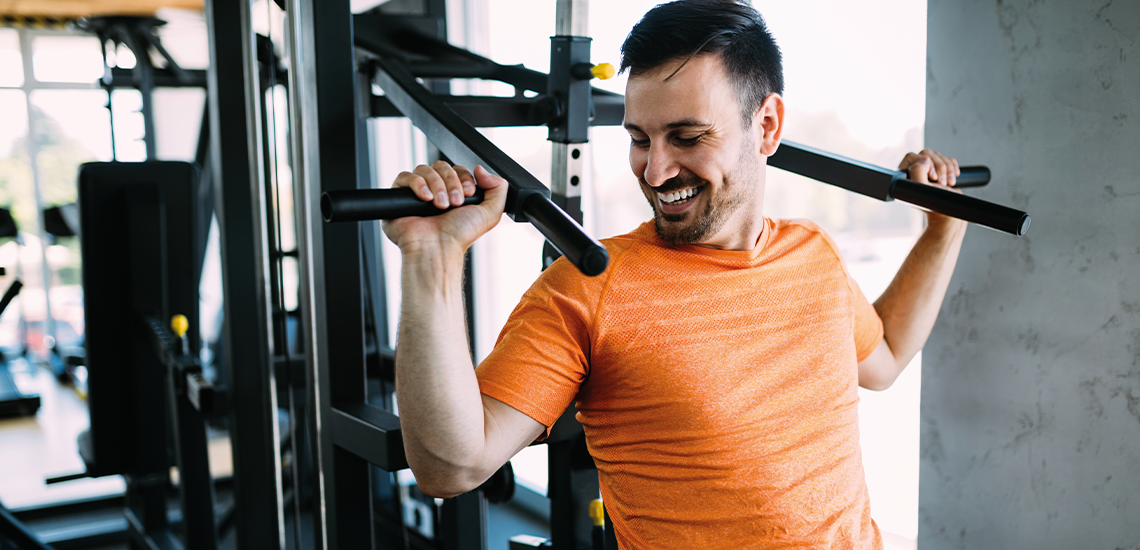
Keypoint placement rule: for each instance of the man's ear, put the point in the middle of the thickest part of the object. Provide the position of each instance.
(768, 122)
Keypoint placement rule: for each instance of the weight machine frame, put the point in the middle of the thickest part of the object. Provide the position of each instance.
(337, 57)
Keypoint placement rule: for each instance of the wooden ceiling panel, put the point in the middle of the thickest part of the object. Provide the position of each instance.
(85, 8)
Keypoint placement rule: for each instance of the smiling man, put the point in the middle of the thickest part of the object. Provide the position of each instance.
(715, 364)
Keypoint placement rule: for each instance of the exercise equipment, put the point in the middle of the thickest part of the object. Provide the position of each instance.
(137, 34)
(14, 532)
(866, 179)
(566, 97)
(140, 266)
(61, 222)
(13, 401)
(397, 58)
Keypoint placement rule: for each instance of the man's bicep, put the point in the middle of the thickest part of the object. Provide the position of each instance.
(507, 430)
(878, 371)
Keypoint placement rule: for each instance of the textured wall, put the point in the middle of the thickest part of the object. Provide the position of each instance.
(1031, 380)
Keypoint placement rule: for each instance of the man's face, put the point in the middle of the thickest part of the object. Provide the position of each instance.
(699, 166)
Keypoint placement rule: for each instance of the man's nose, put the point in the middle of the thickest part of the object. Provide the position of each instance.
(660, 166)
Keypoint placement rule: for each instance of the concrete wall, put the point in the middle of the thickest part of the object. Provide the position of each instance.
(1031, 380)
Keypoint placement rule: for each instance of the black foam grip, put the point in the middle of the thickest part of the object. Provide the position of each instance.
(381, 204)
(957, 205)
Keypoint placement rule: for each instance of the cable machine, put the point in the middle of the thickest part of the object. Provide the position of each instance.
(396, 54)
(335, 486)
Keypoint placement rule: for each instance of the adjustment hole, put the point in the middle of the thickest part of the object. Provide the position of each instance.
(574, 181)
(575, 153)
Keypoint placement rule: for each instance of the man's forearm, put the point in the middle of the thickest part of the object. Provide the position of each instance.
(910, 304)
(441, 411)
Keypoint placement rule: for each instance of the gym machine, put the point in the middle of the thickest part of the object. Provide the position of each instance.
(13, 401)
(149, 398)
(148, 402)
(395, 55)
(335, 58)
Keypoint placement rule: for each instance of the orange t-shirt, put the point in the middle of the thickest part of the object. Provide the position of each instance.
(717, 389)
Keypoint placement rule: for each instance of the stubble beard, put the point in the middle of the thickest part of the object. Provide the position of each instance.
(719, 208)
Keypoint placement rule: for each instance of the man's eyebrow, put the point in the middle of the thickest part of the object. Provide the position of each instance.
(683, 123)
(687, 123)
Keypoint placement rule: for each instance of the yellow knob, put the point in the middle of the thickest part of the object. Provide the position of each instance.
(597, 512)
(603, 71)
(179, 324)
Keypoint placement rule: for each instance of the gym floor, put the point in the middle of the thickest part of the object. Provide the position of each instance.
(34, 448)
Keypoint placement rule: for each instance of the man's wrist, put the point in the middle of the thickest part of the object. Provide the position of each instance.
(432, 263)
(945, 226)
(431, 250)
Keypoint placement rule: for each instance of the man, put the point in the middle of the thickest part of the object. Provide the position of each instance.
(715, 363)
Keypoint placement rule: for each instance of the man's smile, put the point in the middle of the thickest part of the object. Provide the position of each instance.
(677, 201)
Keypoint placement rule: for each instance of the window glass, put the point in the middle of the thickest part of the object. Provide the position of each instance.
(71, 128)
(185, 38)
(67, 59)
(11, 64)
(15, 185)
(78, 116)
(129, 127)
(177, 121)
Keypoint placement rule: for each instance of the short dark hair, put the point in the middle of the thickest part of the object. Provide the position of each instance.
(732, 29)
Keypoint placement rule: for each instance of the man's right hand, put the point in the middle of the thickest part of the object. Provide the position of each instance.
(446, 186)
(454, 437)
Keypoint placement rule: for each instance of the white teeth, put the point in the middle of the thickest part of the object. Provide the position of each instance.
(678, 196)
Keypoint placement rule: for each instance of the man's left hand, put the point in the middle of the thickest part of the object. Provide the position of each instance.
(934, 168)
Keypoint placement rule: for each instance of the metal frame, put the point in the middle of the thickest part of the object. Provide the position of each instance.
(235, 162)
(325, 157)
(351, 428)
(335, 58)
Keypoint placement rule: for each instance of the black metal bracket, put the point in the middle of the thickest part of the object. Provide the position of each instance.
(566, 54)
(206, 397)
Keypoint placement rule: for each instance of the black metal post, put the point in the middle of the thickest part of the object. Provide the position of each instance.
(14, 530)
(322, 87)
(463, 522)
(195, 486)
(253, 410)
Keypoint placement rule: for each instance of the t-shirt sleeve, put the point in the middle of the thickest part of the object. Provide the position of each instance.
(542, 354)
(868, 325)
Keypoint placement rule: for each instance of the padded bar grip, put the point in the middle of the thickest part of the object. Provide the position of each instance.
(587, 254)
(971, 209)
(972, 176)
(381, 204)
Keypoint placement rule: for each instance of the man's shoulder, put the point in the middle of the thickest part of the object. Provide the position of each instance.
(642, 234)
(617, 247)
(800, 233)
(801, 227)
